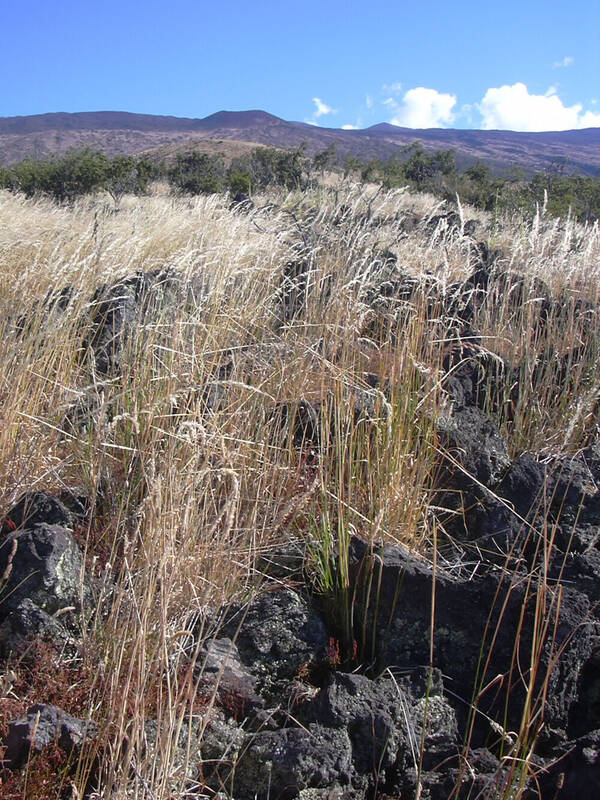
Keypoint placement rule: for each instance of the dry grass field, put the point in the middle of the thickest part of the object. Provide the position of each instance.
(182, 449)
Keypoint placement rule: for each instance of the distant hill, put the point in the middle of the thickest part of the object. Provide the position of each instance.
(229, 148)
(118, 132)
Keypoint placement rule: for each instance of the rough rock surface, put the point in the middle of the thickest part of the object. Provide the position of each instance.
(468, 613)
(315, 728)
(41, 726)
(35, 507)
(288, 760)
(43, 581)
(276, 637)
(476, 452)
(45, 566)
(28, 622)
(118, 310)
(307, 729)
(475, 377)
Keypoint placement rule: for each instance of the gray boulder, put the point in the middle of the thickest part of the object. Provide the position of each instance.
(28, 622)
(476, 452)
(33, 508)
(489, 612)
(219, 666)
(384, 718)
(42, 726)
(288, 722)
(118, 310)
(277, 635)
(282, 763)
(43, 564)
(575, 772)
(530, 496)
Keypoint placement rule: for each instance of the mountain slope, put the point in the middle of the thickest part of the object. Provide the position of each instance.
(121, 132)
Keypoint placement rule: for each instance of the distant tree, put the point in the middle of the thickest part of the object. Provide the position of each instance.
(239, 183)
(291, 166)
(268, 166)
(126, 175)
(28, 177)
(261, 166)
(324, 158)
(76, 173)
(5, 178)
(352, 165)
(479, 173)
(392, 172)
(197, 173)
(369, 171)
(480, 188)
(148, 171)
(444, 162)
(419, 166)
(578, 195)
(64, 178)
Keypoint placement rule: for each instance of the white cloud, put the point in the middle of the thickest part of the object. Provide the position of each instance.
(466, 112)
(368, 101)
(589, 120)
(422, 108)
(513, 108)
(567, 61)
(349, 127)
(392, 88)
(322, 108)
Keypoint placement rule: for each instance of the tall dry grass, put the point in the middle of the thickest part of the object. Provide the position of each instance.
(189, 495)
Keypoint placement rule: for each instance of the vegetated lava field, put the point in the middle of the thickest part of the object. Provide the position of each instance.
(299, 499)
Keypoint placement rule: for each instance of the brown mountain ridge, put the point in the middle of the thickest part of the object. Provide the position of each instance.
(118, 132)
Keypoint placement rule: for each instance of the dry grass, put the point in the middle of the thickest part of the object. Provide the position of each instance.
(187, 497)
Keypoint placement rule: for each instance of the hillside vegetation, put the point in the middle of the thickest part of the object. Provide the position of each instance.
(121, 133)
(300, 412)
(198, 169)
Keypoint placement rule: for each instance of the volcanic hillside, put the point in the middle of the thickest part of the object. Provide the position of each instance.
(124, 133)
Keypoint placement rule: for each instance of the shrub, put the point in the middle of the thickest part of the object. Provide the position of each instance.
(239, 182)
(126, 175)
(77, 173)
(197, 173)
(267, 166)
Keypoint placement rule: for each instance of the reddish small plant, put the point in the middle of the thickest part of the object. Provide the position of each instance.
(191, 691)
(306, 670)
(301, 694)
(233, 701)
(39, 676)
(96, 538)
(44, 775)
(333, 652)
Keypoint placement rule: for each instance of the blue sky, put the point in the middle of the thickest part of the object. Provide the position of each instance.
(520, 65)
